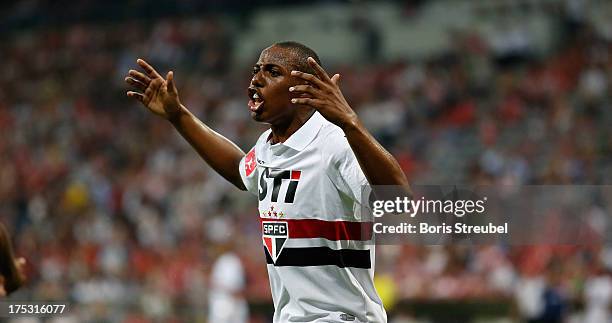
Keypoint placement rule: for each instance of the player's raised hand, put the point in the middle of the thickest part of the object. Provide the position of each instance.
(325, 95)
(156, 93)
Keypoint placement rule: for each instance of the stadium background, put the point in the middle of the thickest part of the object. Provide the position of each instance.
(118, 215)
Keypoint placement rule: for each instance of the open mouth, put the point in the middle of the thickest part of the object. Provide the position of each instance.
(255, 100)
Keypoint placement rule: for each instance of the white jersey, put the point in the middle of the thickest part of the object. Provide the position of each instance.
(227, 283)
(320, 258)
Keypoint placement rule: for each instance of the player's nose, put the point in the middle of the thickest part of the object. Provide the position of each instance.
(256, 80)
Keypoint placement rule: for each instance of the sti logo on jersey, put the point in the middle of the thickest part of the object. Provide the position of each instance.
(275, 233)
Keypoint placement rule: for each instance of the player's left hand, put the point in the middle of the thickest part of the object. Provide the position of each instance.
(325, 96)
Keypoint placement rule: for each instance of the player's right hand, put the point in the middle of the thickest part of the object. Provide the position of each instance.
(156, 93)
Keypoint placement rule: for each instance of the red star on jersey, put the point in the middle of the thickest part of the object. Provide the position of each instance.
(249, 162)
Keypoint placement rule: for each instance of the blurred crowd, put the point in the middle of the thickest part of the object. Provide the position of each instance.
(117, 214)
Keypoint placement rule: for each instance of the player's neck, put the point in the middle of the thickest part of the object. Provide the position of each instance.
(280, 133)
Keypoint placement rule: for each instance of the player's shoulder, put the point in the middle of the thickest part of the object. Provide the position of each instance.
(332, 141)
(330, 133)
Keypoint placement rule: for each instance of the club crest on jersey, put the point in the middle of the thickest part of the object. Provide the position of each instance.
(274, 234)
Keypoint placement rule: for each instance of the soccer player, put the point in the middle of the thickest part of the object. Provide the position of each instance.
(307, 171)
(11, 269)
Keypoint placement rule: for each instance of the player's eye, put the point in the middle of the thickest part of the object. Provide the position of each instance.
(255, 70)
(275, 73)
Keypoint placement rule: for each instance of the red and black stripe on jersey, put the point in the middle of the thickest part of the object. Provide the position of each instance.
(322, 256)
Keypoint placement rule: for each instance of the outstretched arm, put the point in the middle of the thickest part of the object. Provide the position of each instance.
(378, 165)
(160, 96)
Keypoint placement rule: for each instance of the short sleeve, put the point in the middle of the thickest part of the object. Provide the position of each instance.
(344, 169)
(248, 171)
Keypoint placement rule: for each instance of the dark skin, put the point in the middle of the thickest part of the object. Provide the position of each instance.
(12, 269)
(271, 81)
(289, 99)
(378, 165)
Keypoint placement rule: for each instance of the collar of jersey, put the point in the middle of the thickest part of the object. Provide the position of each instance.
(305, 134)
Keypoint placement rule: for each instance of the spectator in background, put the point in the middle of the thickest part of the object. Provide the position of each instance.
(226, 299)
(598, 296)
(66, 182)
(554, 303)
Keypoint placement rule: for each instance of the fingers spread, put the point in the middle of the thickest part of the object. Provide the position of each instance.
(316, 103)
(140, 77)
(305, 89)
(308, 77)
(135, 83)
(139, 96)
(320, 71)
(336, 79)
(148, 68)
(171, 86)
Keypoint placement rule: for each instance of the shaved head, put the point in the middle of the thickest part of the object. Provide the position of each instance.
(299, 55)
